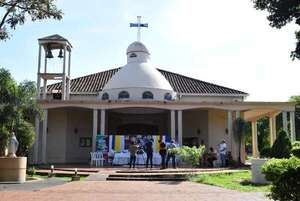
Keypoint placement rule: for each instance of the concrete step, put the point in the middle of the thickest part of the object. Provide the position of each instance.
(97, 177)
(144, 179)
(151, 175)
(148, 176)
(157, 171)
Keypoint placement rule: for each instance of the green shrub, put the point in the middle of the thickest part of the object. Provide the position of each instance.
(282, 146)
(265, 152)
(25, 134)
(296, 149)
(4, 136)
(285, 177)
(31, 171)
(190, 155)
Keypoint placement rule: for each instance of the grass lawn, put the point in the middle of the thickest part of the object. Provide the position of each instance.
(35, 177)
(240, 181)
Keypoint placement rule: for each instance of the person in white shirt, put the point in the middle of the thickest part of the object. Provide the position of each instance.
(223, 151)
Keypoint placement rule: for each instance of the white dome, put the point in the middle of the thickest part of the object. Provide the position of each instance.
(138, 76)
(137, 47)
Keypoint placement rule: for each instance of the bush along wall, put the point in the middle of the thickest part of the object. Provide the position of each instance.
(296, 149)
(285, 177)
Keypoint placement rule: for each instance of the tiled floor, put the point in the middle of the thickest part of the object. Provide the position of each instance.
(131, 191)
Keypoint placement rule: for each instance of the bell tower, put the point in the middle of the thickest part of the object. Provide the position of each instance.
(48, 45)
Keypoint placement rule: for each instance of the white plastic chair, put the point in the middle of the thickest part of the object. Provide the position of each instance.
(97, 158)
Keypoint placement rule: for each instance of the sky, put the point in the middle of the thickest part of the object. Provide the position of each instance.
(223, 42)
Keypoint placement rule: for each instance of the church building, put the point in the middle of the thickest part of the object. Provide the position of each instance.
(138, 99)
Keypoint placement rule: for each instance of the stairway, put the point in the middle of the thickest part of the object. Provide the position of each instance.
(149, 176)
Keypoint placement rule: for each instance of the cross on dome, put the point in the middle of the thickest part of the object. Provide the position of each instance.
(139, 24)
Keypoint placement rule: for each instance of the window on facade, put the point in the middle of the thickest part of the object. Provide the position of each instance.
(105, 96)
(168, 96)
(85, 142)
(132, 55)
(123, 95)
(147, 95)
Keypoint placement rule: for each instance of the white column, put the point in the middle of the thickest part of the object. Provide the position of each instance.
(95, 120)
(102, 123)
(173, 124)
(229, 122)
(229, 128)
(292, 126)
(284, 122)
(69, 76)
(36, 143)
(44, 138)
(63, 90)
(38, 73)
(254, 139)
(272, 126)
(45, 80)
(234, 148)
(238, 114)
(180, 127)
(242, 146)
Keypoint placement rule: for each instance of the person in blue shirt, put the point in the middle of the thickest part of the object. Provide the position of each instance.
(171, 154)
(149, 152)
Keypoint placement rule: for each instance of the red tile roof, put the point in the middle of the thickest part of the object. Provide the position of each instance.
(181, 84)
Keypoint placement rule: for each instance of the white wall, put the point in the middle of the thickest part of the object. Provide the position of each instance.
(194, 120)
(217, 124)
(82, 120)
(136, 94)
(56, 137)
(62, 141)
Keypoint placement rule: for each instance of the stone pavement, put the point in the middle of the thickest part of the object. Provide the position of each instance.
(131, 191)
(32, 185)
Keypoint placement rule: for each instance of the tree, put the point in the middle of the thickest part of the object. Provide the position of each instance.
(239, 133)
(282, 12)
(282, 146)
(15, 13)
(295, 99)
(263, 136)
(18, 108)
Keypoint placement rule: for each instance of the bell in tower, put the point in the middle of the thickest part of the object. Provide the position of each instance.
(47, 46)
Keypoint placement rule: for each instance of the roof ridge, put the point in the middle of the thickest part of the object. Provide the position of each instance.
(96, 73)
(205, 82)
(190, 85)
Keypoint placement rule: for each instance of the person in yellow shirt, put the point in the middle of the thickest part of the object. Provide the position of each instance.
(132, 149)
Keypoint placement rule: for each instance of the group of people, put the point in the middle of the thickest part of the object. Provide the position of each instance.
(211, 155)
(164, 151)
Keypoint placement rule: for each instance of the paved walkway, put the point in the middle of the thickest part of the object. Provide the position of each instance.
(131, 191)
(32, 185)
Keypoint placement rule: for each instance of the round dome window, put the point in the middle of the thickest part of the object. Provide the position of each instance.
(168, 96)
(105, 96)
(147, 95)
(123, 95)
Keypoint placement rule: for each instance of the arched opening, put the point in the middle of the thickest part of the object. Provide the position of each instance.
(168, 96)
(132, 55)
(123, 95)
(147, 95)
(105, 96)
